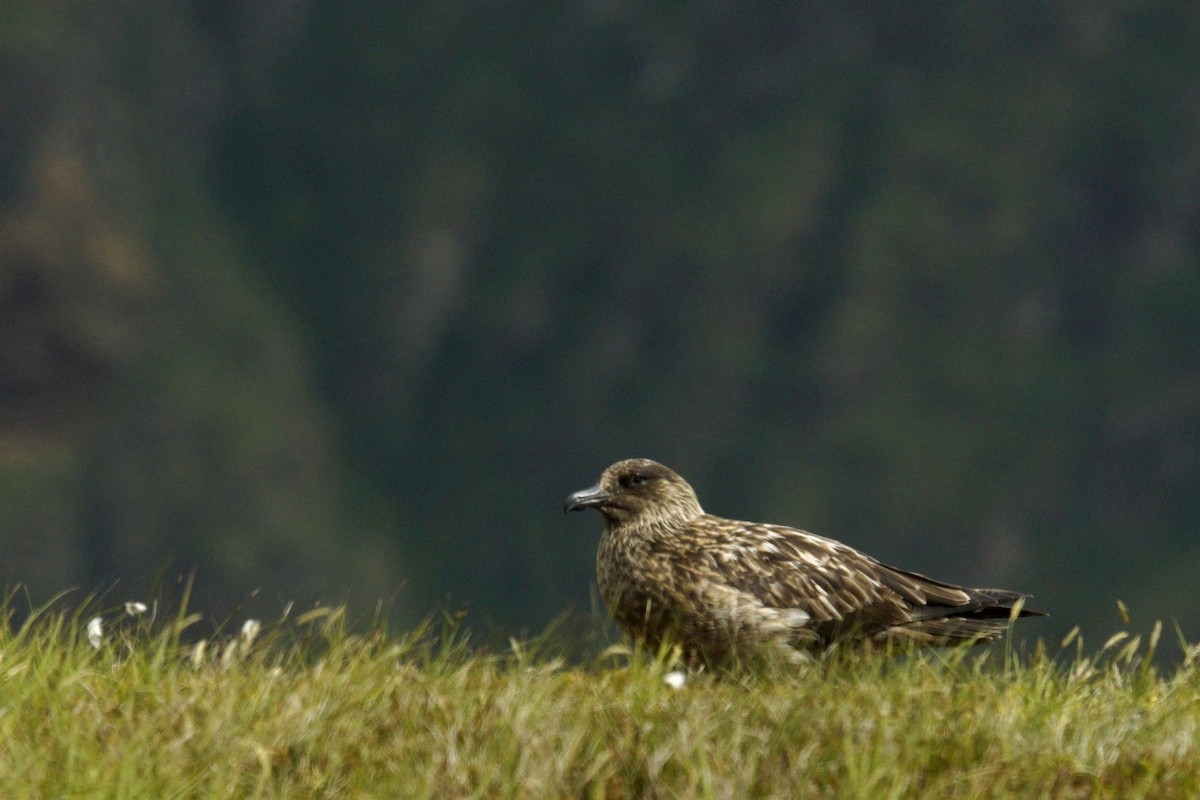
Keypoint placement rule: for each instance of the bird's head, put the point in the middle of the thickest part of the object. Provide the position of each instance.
(639, 491)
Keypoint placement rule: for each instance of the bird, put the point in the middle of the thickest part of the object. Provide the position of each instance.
(669, 573)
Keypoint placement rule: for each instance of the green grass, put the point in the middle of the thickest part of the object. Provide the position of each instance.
(310, 709)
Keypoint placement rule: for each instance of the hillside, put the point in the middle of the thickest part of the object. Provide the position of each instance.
(337, 300)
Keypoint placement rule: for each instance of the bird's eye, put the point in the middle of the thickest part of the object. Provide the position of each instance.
(635, 480)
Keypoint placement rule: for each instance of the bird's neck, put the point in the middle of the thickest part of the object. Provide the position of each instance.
(653, 527)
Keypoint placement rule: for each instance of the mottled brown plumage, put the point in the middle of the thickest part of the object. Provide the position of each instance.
(669, 571)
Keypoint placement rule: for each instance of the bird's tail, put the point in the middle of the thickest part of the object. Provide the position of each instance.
(984, 619)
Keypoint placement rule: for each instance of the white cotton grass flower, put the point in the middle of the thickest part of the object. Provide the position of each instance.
(250, 629)
(676, 679)
(198, 652)
(95, 632)
(136, 609)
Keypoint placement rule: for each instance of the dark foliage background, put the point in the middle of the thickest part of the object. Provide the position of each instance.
(339, 299)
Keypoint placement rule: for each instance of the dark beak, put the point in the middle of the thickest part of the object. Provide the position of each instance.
(588, 498)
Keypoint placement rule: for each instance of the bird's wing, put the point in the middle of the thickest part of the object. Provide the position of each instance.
(787, 568)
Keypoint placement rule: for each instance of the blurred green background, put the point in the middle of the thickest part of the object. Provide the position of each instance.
(338, 300)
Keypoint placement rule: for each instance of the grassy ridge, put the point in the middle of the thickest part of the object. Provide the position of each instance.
(307, 709)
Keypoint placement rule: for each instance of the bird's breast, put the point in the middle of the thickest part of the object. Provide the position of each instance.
(635, 583)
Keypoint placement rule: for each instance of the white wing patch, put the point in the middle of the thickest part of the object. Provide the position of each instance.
(748, 617)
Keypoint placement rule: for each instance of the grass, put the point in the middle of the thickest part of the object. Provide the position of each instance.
(307, 708)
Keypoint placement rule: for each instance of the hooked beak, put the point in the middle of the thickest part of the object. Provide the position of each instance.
(588, 498)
